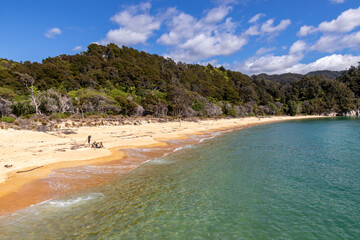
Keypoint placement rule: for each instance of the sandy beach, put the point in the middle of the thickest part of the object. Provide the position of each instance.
(33, 155)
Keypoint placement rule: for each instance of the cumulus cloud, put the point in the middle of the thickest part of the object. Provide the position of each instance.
(136, 26)
(194, 39)
(273, 64)
(335, 62)
(298, 48)
(337, 34)
(306, 30)
(53, 32)
(186, 37)
(332, 43)
(290, 62)
(345, 22)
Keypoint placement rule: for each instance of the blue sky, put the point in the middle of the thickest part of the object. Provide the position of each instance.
(251, 36)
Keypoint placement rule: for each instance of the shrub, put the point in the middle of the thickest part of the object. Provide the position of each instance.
(55, 116)
(7, 119)
(198, 106)
(232, 112)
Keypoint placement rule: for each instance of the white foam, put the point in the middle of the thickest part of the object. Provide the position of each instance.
(204, 139)
(183, 147)
(212, 136)
(49, 206)
(74, 201)
(159, 161)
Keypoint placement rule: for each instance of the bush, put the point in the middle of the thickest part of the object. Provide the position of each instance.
(7, 119)
(198, 106)
(27, 116)
(232, 112)
(55, 116)
(22, 108)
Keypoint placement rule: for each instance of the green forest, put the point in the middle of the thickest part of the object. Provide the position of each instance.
(109, 81)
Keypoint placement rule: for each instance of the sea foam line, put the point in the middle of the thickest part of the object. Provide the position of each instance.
(74, 201)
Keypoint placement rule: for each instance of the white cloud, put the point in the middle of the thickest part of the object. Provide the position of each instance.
(77, 48)
(268, 28)
(268, 64)
(337, 1)
(337, 34)
(346, 22)
(335, 62)
(217, 14)
(256, 17)
(298, 48)
(332, 43)
(271, 64)
(194, 39)
(306, 30)
(183, 26)
(136, 26)
(252, 31)
(53, 32)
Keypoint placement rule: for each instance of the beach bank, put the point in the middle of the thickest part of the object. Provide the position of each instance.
(33, 155)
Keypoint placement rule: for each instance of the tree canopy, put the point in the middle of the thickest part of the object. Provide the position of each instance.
(124, 81)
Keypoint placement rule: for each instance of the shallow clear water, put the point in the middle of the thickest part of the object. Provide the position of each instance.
(291, 180)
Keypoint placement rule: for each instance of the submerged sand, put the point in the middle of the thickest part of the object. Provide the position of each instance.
(34, 155)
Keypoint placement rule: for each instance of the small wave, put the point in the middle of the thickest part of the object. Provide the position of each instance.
(56, 184)
(38, 210)
(183, 147)
(158, 161)
(213, 135)
(74, 201)
(204, 139)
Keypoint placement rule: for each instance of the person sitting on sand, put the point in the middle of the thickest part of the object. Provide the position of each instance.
(99, 145)
(94, 144)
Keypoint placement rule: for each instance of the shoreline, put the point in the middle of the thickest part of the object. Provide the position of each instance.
(25, 185)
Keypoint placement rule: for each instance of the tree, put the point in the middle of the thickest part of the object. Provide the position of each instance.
(293, 108)
(28, 82)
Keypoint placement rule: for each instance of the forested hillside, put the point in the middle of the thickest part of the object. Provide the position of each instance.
(108, 80)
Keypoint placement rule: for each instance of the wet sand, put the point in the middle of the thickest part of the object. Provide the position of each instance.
(37, 183)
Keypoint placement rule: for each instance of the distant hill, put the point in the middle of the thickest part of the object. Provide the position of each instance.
(326, 73)
(291, 77)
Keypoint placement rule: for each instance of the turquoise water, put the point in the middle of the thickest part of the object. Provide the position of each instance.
(291, 180)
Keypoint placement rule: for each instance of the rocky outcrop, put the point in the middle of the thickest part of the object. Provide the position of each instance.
(353, 113)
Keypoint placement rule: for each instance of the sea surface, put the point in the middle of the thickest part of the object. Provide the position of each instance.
(289, 180)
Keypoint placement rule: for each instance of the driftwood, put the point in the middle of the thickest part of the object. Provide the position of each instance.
(29, 170)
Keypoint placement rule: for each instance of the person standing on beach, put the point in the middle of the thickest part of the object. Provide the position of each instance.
(89, 139)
